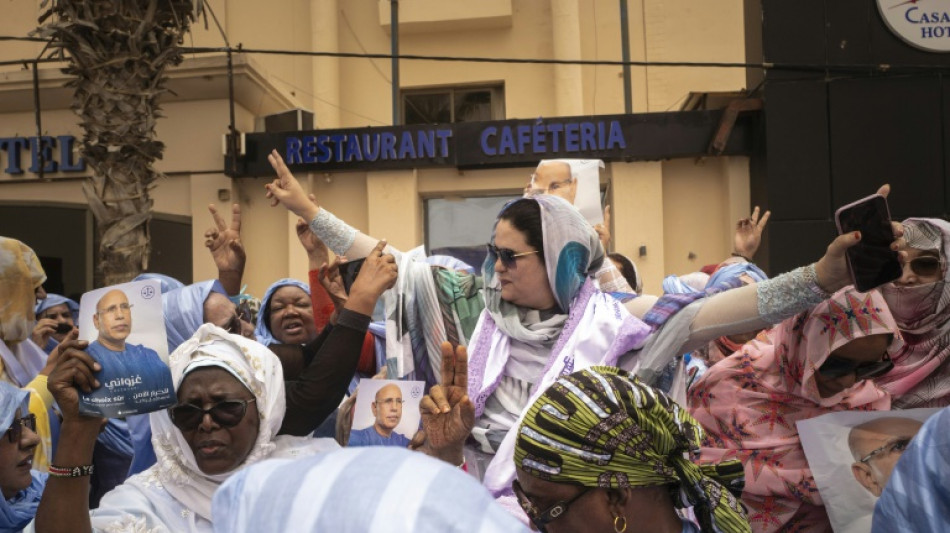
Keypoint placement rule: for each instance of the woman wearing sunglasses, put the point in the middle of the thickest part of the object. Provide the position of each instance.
(230, 406)
(22, 486)
(819, 362)
(600, 451)
(920, 303)
(542, 315)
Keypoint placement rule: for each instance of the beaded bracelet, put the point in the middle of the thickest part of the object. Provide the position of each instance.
(70, 471)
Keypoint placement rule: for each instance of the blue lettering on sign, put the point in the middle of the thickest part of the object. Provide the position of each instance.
(537, 138)
(587, 136)
(426, 140)
(540, 139)
(370, 150)
(353, 148)
(338, 146)
(292, 154)
(507, 141)
(488, 149)
(406, 148)
(323, 149)
(933, 17)
(615, 137)
(389, 145)
(42, 153)
(570, 137)
(42, 146)
(310, 149)
(66, 155)
(443, 135)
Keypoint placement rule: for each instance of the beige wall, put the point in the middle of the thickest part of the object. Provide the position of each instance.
(671, 207)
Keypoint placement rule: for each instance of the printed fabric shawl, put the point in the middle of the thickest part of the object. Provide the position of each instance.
(749, 404)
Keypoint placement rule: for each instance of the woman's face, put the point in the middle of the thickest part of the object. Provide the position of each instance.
(61, 315)
(868, 349)
(909, 278)
(16, 459)
(291, 316)
(218, 449)
(526, 284)
(589, 512)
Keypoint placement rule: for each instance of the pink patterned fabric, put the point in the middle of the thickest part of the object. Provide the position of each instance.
(749, 404)
(921, 375)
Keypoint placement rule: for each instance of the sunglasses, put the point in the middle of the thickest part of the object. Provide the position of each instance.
(508, 256)
(540, 518)
(898, 446)
(226, 413)
(836, 367)
(926, 265)
(15, 432)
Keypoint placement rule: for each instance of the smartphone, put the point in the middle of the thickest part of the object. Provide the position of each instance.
(871, 261)
(63, 327)
(349, 271)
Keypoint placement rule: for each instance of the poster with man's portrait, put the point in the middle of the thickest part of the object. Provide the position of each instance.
(852, 454)
(587, 194)
(386, 412)
(126, 333)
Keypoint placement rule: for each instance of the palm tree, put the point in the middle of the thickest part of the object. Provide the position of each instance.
(118, 51)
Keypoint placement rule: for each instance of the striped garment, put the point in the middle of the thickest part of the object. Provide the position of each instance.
(357, 490)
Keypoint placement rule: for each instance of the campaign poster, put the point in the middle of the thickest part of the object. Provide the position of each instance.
(126, 333)
(386, 412)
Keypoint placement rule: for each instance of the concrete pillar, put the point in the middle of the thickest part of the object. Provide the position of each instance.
(568, 85)
(637, 218)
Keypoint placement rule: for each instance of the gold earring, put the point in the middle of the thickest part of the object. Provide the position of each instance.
(620, 524)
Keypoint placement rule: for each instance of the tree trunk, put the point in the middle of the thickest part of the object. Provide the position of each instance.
(119, 50)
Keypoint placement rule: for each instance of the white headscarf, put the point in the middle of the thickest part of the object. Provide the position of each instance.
(259, 369)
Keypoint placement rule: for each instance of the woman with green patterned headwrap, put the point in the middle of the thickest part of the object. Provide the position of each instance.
(624, 451)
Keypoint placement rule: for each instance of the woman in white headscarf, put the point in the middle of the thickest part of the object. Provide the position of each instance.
(231, 405)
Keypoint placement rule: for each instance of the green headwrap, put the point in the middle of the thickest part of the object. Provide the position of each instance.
(601, 427)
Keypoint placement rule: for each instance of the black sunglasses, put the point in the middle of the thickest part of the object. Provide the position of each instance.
(226, 413)
(508, 256)
(15, 431)
(925, 265)
(836, 367)
(540, 518)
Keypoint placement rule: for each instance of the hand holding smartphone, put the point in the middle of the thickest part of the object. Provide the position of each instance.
(871, 261)
(349, 271)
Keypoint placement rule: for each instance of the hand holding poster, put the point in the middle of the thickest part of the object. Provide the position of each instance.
(126, 334)
(386, 413)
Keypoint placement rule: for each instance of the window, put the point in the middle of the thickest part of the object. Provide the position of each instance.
(453, 104)
(461, 227)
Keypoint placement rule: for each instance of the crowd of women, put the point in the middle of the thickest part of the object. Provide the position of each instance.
(552, 401)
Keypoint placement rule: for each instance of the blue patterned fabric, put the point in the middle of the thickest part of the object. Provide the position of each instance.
(917, 497)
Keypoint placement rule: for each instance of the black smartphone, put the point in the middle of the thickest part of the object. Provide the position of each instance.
(349, 271)
(63, 327)
(871, 261)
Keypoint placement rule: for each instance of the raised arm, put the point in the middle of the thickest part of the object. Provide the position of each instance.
(65, 503)
(320, 387)
(223, 240)
(340, 237)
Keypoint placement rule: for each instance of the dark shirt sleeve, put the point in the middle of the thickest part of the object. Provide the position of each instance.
(320, 388)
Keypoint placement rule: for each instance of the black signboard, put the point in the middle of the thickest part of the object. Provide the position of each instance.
(503, 143)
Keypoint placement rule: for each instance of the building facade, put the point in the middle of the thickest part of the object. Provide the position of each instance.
(671, 214)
